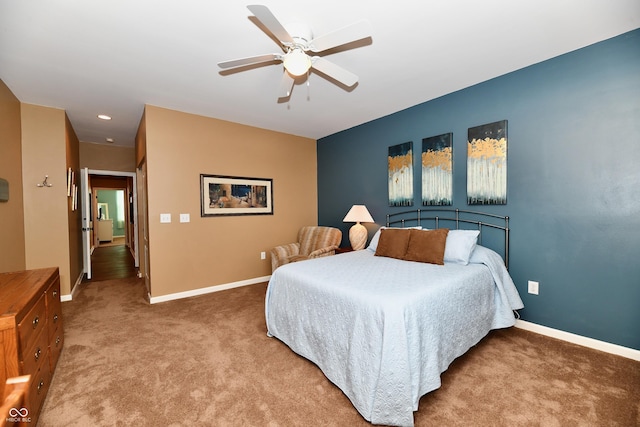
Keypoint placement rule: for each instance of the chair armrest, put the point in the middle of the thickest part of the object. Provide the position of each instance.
(280, 254)
(326, 251)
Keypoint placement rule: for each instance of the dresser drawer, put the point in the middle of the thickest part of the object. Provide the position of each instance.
(54, 309)
(55, 347)
(33, 323)
(53, 297)
(35, 355)
(40, 382)
(54, 318)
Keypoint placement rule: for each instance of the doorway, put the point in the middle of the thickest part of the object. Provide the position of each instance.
(110, 222)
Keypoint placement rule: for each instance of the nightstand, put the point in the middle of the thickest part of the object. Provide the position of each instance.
(344, 249)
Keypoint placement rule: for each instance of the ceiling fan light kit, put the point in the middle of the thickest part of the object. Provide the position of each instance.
(297, 62)
(296, 42)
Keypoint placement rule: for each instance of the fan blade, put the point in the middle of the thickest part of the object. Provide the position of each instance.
(250, 60)
(348, 34)
(265, 16)
(286, 85)
(334, 71)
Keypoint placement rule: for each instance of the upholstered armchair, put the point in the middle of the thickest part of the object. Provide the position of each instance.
(313, 242)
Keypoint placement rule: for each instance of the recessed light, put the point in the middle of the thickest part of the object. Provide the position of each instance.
(109, 139)
(104, 117)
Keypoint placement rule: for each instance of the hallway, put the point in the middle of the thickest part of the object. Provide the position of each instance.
(111, 262)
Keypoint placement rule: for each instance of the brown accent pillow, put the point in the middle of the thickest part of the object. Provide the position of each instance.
(393, 242)
(427, 246)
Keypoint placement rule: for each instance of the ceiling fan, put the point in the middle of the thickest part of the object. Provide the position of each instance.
(298, 46)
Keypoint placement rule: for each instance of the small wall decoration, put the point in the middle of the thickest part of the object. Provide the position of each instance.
(487, 164)
(437, 170)
(74, 198)
(69, 181)
(4, 190)
(401, 174)
(227, 195)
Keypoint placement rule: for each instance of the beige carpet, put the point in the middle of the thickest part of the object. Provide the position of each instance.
(206, 361)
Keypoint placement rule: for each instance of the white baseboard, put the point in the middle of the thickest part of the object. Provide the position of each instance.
(619, 350)
(69, 297)
(208, 290)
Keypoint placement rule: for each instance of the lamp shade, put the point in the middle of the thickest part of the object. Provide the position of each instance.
(297, 62)
(358, 213)
(358, 233)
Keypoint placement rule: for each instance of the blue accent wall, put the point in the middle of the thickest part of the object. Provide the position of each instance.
(573, 180)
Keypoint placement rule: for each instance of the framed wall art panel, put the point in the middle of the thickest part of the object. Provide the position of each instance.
(400, 174)
(437, 170)
(487, 164)
(228, 195)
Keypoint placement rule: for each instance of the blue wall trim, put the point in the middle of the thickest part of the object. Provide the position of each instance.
(573, 180)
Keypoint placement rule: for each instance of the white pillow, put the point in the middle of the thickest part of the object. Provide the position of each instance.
(460, 245)
(373, 245)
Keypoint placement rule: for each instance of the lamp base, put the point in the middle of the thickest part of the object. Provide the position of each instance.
(358, 236)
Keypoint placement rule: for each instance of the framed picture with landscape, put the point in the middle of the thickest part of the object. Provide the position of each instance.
(227, 195)
(400, 174)
(437, 170)
(487, 164)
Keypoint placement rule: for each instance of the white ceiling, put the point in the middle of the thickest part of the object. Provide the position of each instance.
(113, 57)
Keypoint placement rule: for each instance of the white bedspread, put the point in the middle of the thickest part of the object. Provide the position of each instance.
(382, 329)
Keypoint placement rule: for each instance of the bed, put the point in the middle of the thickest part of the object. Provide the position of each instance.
(383, 329)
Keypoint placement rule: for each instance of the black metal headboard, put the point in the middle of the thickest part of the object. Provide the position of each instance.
(432, 217)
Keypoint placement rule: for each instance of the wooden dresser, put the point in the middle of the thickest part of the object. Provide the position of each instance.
(31, 332)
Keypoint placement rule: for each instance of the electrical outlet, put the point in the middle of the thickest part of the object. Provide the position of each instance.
(263, 255)
(534, 287)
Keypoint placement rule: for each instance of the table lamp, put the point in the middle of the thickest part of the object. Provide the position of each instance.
(358, 233)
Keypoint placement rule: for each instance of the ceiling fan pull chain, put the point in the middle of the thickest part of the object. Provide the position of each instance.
(308, 87)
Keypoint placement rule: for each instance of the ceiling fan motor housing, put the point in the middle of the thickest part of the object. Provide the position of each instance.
(300, 33)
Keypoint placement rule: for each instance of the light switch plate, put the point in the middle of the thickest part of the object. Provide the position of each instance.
(185, 218)
(165, 218)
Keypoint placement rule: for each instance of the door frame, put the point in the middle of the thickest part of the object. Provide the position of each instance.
(87, 223)
(133, 176)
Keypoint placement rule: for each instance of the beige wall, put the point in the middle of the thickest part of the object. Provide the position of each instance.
(219, 250)
(107, 157)
(12, 249)
(46, 209)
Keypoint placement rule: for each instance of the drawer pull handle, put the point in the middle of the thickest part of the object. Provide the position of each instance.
(55, 318)
(40, 385)
(37, 354)
(57, 341)
(35, 322)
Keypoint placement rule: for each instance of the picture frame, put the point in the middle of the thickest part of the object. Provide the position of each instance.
(487, 164)
(222, 195)
(74, 198)
(437, 170)
(69, 181)
(400, 174)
